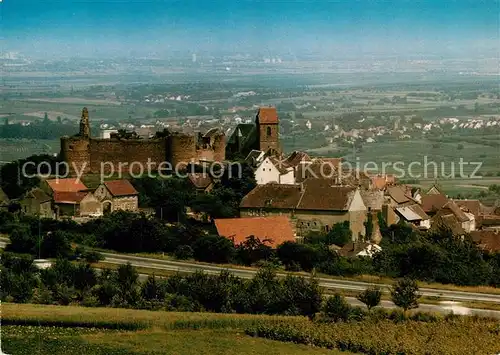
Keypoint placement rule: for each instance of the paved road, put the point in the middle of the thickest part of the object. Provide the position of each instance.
(327, 283)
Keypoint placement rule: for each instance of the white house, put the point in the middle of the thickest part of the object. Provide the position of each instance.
(273, 170)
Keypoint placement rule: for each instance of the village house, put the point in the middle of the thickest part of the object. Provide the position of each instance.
(315, 205)
(415, 215)
(37, 202)
(75, 204)
(273, 230)
(117, 195)
(271, 169)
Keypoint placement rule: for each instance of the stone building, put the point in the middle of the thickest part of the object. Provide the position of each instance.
(117, 195)
(262, 136)
(87, 154)
(76, 204)
(315, 205)
(37, 202)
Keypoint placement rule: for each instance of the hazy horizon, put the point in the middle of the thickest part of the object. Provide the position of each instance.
(154, 28)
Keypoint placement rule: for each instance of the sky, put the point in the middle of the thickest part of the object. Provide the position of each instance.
(275, 27)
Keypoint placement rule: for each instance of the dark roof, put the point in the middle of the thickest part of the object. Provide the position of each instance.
(448, 221)
(472, 206)
(245, 129)
(453, 208)
(276, 230)
(212, 132)
(272, 195)
(253, 155)
(267, 115)
(321, 194)
(412, 213)
(120, 188)
(315, 170)
(433, 202)
(398, 194)
(200, 180)
(296, 158)
(315, 194)
(352, 249)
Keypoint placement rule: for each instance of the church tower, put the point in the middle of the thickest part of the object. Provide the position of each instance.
(85, 124)
(268, 130)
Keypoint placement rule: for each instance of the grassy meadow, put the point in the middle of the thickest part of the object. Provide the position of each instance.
(59, 330)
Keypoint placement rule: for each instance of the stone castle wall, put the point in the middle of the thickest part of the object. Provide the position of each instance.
(92, 155)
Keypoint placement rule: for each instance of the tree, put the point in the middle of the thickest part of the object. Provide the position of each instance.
(213, 249)
(405, 294)
(340, 234)
(370, 297)
(336, 308)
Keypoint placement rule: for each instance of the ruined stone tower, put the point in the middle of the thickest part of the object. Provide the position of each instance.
(85, 124)
(268, 130)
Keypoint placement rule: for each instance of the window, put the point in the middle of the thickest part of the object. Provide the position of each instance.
(268, 129)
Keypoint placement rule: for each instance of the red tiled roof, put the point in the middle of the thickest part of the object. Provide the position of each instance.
(200, 180)
(120, 187)
(433, 202)
(267, 115)
(70, 197)
(276, 229)
(66, 185)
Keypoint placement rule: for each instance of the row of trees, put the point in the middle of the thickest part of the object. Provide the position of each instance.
(66, 283)
(435, 257)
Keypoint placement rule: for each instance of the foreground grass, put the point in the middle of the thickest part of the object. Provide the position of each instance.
(63, 330)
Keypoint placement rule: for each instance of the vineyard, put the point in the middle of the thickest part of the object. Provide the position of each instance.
(451, 336)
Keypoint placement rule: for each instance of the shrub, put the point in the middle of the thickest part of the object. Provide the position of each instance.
(183, 252)
(213, 249)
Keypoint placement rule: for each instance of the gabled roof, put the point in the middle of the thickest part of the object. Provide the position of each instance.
(272, 195)
(373, 199)
(433, 202)
(315, 194)
(213, 132)
(38, 194)
(278, 164)
(69, 197)
(412, 213)
(320, 194)
(267, 115)
(398, 194)
(254, 155)
(66, 185)
(120, 188)
(453, 208)
(276, 229)
(243, 130)
(449, 221)
(200, 180)
(473, 206)
(296, 158)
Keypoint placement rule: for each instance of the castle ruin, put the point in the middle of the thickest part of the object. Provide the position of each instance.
(86, 154)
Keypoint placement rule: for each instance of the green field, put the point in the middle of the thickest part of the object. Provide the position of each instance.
(13, 149)
(158, 333)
